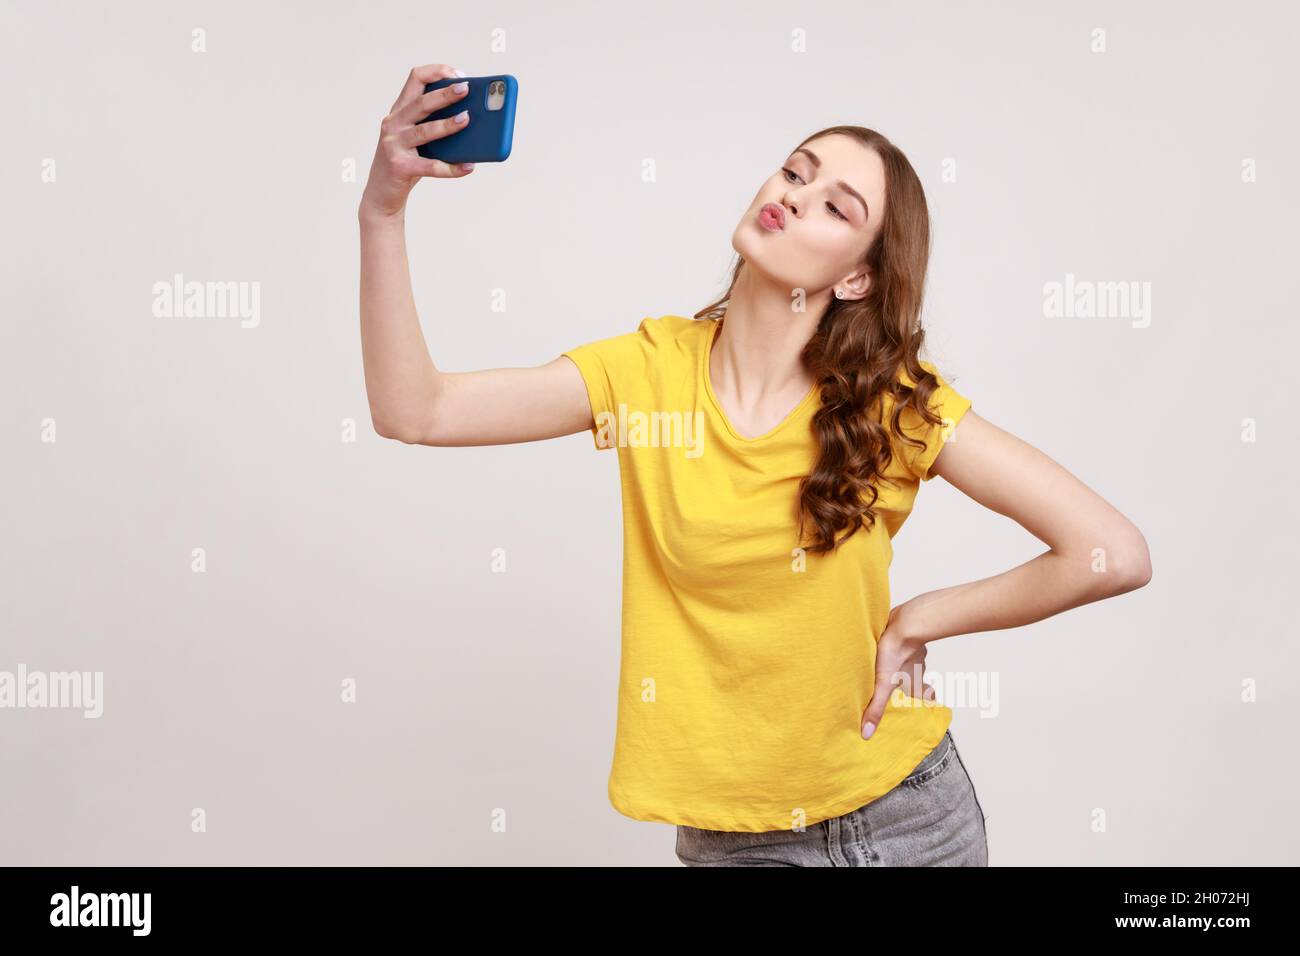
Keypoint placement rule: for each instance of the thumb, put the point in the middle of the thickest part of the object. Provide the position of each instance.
(876, 708)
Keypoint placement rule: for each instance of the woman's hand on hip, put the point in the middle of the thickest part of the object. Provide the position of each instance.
(900, 662)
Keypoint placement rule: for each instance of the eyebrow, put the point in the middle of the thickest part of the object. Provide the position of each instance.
(812, 157)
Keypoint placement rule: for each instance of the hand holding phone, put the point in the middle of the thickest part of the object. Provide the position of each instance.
(398, 165)
(487, 132)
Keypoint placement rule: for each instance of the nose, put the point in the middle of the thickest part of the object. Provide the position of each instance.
(789, 202)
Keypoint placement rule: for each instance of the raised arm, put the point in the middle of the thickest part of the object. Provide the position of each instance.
(411, 400)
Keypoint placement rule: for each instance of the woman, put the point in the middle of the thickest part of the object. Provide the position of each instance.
(771, 704)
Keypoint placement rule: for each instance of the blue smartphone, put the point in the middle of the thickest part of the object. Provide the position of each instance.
(489, 134)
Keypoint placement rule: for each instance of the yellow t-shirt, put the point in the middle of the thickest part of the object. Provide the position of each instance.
(746, 662)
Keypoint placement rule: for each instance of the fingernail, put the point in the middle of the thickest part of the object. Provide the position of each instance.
(467, 166)
(461, 117)
(459, 73)
(460, 87)
(868, 729)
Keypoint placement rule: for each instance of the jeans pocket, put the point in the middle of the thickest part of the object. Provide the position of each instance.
(677, 849)
(933, 763)
(973, 794)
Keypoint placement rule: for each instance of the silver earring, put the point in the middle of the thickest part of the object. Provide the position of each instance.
(839, 294)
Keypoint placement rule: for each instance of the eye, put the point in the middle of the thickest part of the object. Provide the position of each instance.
(787, 172)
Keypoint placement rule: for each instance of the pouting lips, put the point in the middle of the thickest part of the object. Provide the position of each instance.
(772, 216)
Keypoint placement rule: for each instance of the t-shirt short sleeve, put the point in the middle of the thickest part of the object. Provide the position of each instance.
(950, 405)
(609, 368)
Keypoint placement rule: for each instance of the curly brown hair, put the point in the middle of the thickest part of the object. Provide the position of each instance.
(857, 353)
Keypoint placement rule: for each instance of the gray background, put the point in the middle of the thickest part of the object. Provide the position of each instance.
(371, 560)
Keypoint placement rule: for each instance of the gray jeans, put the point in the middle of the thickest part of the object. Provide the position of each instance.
(932, 818)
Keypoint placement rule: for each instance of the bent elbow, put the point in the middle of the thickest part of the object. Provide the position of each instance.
(1132, 563)
(392, 431)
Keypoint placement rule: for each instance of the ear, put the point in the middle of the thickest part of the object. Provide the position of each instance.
(853, 286)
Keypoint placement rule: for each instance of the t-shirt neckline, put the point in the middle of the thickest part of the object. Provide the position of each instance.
(710, 335)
